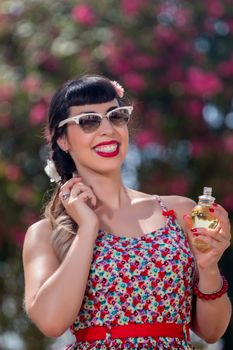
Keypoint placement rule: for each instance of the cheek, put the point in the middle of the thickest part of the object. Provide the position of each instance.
(78, 141)
(77, 138)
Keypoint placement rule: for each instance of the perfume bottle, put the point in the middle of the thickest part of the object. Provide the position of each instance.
(202, 217)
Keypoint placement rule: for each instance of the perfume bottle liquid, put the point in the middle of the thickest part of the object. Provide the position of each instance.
(202, 217)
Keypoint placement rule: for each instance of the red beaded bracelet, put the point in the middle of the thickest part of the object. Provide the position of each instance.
(214, 295)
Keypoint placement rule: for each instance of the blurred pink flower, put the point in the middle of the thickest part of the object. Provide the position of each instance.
(183, 17)
(47, 61)
(29, 217)
(132, 8)
(229, 22)
(5, 120)
(38, 113)
(143, 61)
(12, 172)
(225, 68)
(18, 236)
(178, 186)
(197, 148)
(175, 72)
(31, 84)
(24, 195)
(228, 143)
(227, 202)
(119, 65)
(134, 81)
(164, 35)
(193, 108)
(201, 83)
(128, 46)
(143, 138)
(117, 62)
(84, 15)
(120, 58)
(177, 15)
(6, 91)
(3, 18)
(214, 8)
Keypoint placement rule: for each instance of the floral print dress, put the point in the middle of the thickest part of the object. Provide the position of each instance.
(139, 280)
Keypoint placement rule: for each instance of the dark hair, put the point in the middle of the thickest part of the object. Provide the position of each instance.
(89, 89)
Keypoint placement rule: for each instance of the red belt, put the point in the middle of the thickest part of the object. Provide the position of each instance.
(171, 330)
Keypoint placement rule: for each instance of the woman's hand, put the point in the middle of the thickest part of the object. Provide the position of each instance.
(218, 239)
(79, 202)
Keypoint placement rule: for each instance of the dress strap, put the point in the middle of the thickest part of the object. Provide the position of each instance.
(168, 213)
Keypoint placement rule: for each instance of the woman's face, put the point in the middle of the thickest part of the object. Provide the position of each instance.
(102, 150)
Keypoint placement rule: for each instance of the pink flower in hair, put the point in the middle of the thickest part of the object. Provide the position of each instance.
(119, 89)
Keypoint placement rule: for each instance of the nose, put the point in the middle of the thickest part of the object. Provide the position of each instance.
(106, 127)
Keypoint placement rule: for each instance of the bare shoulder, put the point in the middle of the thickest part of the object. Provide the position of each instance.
(39, 259)
(181, 206)
(178, 203)
(41, 229)
(37, 235)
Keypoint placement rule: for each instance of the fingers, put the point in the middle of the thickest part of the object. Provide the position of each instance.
(188, 221)
(215, 240)
(86, 195)
(74, 189)
(212, 234)
(217, 211)
(68, 185)
(65, 189)
(221, 216)
(82, 192)
(218, 237)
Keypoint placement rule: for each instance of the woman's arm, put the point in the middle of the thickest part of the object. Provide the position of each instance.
(54, 293)
(210, 318)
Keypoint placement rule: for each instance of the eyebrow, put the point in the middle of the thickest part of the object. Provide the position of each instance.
(108, 110)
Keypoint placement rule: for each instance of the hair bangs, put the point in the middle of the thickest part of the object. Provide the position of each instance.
(90, 92)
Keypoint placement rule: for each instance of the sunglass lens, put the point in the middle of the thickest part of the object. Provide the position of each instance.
(90, 122)
(120, 117)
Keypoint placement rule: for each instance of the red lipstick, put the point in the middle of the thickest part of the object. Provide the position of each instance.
(102, 149)
(104, 143)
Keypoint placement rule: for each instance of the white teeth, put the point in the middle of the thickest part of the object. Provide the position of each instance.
(107, 148)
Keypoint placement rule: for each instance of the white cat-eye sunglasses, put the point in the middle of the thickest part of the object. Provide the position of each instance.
(90, 122)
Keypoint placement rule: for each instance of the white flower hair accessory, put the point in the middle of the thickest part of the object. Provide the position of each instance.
(119, 89)
(51, 171)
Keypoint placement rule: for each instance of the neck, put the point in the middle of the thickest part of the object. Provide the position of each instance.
(108, 189)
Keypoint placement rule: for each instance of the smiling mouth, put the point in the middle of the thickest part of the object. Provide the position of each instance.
(107, 148)
(110, 150)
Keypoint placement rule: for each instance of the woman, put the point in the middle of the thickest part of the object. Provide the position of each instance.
(112, 263)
